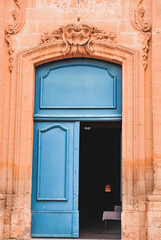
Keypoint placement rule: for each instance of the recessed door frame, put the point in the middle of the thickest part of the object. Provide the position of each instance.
(27, 60)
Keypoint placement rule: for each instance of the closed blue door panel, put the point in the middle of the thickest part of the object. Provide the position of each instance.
(55, 179)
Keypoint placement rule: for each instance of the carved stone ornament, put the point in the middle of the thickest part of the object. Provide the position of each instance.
(137, 18)
(13, 28)
(77, 37)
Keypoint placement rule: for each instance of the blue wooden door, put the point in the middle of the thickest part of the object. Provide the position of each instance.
(55, 177)
(66, 92)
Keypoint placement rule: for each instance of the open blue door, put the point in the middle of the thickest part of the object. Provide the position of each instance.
(66, 92)
(55, 180)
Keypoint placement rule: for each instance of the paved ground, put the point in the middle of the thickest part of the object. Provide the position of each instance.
(95, 231)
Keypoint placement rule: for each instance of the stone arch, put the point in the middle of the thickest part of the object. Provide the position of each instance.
(27, 60)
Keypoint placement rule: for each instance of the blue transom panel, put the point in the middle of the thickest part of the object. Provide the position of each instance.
(78, 87)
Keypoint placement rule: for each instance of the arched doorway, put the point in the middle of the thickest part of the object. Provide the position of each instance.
(24, 110)
(68, 93)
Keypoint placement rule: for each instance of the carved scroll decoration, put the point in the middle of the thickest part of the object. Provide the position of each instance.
(19, 17)
(77, 37)
(137, 19)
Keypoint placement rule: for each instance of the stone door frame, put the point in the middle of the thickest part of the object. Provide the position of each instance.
(25, 81)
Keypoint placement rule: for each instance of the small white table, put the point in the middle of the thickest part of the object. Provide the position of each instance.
(112, 215)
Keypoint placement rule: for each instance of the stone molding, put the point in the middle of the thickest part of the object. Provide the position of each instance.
(77, 37)
(25, 82)
(137, 19)
(2, 196)
(19, 17)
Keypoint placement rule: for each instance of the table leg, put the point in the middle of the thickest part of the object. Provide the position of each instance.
(105, 224)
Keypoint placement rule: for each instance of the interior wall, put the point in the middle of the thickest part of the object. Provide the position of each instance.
(100, 157)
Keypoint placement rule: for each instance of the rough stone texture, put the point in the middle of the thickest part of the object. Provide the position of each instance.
(141, 215)
(154, 201)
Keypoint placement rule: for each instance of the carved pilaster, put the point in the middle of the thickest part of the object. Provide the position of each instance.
(137, 13)
(77, 37)
(19, 17)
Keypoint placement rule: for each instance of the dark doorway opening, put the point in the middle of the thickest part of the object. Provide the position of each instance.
(99, 178)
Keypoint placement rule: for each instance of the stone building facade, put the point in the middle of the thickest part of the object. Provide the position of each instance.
(127, 32)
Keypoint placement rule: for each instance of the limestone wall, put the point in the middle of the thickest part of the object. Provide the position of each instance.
(131, 36)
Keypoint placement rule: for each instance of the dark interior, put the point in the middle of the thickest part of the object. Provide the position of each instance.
(99, 166)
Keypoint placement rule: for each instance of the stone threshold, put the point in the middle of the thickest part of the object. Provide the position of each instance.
(64, 238)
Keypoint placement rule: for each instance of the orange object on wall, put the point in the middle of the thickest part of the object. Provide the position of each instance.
(107, 188)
